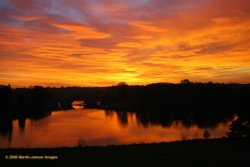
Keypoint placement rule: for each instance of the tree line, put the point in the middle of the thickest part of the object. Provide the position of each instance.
(202, 103)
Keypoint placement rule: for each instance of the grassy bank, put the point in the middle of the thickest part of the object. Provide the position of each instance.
(202, 153)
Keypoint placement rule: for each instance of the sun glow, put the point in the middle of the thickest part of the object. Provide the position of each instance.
(102, 44)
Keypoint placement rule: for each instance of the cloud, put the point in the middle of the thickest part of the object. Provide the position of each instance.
(109, 8)
(30, 4)
(81, 31)
(147, 26)
(104, 42)
(218, 47)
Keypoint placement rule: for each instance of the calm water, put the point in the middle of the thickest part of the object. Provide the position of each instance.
(99, 127)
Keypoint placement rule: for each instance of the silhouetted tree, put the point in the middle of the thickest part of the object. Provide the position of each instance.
(122, 84)
(34, 102)
(5, 100)
(240, 128)
(185, 81)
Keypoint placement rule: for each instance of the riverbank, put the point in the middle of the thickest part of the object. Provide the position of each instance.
(216, 152)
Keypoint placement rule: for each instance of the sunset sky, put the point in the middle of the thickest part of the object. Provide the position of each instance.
(103, 42)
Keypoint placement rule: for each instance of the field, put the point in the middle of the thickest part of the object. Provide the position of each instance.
(200, 153)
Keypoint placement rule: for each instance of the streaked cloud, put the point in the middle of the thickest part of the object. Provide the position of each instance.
(103, 42)
(147, 26)
(81, 31)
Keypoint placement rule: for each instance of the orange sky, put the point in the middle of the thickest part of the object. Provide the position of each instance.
(103, 42)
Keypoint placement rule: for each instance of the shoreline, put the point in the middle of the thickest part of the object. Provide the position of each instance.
(222, 152)
(222, 139)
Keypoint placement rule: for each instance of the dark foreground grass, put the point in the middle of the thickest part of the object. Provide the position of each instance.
(195, 153)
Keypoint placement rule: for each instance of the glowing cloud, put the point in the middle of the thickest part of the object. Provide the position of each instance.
(97, 43)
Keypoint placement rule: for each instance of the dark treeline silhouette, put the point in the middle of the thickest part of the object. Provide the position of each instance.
(203, 104)
(6, 112)
(5, 101)
(34, 102)
(21, 104)
(24, 103)
(160, 97)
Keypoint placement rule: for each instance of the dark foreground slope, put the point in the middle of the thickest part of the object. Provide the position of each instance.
(200, 153)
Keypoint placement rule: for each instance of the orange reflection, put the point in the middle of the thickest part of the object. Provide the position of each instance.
(97, 127)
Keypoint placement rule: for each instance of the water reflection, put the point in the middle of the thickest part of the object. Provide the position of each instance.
(83, 127)
(6, 129)
(78, 104)
(167, 119)
(21, 124)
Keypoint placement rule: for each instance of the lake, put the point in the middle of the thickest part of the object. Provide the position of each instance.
(89, 127)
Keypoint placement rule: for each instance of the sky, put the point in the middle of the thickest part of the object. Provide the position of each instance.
(104, 42)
